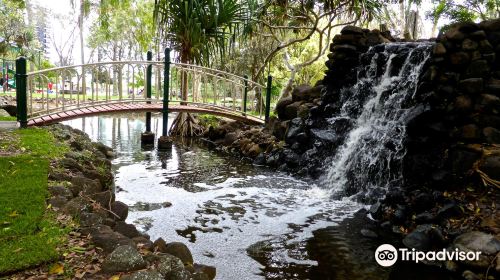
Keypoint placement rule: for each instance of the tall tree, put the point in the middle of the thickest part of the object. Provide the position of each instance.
(197, 30)
(465, 10)
(292, 22)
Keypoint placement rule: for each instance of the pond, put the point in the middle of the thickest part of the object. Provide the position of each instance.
(225, 209)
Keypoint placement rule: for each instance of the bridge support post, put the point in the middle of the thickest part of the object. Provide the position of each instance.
(245, 96)
(268, 98)
(148, 137)
(164, 141)
(21, 92)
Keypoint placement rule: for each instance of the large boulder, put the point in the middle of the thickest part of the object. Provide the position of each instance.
(491, 166)
(181, 251)
(476, 241)
(170, 267)
(102, 236)
(281, 106)
(122, 259)
(120, 210)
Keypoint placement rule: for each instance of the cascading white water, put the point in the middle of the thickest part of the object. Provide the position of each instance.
(379, 106)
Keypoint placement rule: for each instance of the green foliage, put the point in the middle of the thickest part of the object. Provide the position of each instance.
(465, 10)
(125, 28)
(8, 119)
(208, 120)
(197, 29)
(14, 30)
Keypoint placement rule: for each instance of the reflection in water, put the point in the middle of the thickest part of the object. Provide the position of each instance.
(224, 209)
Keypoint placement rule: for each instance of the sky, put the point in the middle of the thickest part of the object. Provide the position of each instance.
(61, 30)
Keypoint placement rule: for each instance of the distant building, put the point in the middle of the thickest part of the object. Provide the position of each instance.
(38, 17)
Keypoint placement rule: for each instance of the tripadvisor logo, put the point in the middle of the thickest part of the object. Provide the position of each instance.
(386, 255)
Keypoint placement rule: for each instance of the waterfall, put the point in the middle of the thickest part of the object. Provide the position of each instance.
(378, 106)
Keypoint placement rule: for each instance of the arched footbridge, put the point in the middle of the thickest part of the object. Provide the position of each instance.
(62, 93)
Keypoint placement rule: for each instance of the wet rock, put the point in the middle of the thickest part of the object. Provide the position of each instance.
(281, 106)
(352, 30)
(181, 251)
(376, 210)
(160, 245)
(422, 202)
(469, 45)
(170, 266)
(76, 206)
(122, 259)
(120, 209)
(90, 219)
(128, 230)
(478, 69)
(210, 271)
(476, 241)
(230, 138)
(418, 240)
(107, 239)
(491, 223)
(471, 85)
(143, 242)
(325, 135)
(459, 58)
(58, 201)
(60, 191)
(491, 135)
(439, 49)
(70, 164)
(424, 218)
(449, 210)
(399, 217)
(490, 25)
(104, 178)
(85, 185)
(469, 275)
(301, 92)
(491, 166)
(425, 237)
(292, 109)
(144, 275)
(463, 103)
(368, 233)
(199, 276)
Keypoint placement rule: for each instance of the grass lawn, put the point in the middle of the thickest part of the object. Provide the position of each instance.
(7, 118)
(29, 235)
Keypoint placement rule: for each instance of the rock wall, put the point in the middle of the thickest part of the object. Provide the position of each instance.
(462, 91)
(303, 117)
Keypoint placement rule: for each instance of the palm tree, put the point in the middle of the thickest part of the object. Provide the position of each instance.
(196, 29)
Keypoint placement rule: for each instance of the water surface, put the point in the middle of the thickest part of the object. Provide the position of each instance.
(224, 209)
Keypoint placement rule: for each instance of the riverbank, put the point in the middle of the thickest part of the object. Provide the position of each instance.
(78, 201)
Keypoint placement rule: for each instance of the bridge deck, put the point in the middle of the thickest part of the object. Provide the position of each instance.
(139, 107)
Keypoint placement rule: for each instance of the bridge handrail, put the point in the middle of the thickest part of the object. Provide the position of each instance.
(146, 63)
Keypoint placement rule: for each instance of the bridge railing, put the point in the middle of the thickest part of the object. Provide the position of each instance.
(65, 88)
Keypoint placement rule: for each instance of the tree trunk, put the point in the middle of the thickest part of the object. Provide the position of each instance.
(287, 90)
(185, 124)
(82, 46)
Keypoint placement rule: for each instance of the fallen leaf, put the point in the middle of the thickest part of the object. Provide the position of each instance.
(115, 277)
(13, 214)
(56, 268)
